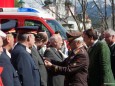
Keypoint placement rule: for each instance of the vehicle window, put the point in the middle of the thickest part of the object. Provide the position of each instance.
(9, 23)
(37, 23)
(57, 27)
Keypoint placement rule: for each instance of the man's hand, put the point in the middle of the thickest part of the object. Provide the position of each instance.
(47, 63)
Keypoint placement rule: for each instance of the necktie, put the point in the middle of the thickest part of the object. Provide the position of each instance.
(60, 53)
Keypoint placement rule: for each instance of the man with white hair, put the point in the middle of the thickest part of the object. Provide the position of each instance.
(75, 67)
(53, 53)
(109, 36)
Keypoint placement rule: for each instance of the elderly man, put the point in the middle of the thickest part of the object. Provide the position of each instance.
(52, 53)
(41, 40)
(109, 36)
(100, 73)
(75, 67)
(21, 57)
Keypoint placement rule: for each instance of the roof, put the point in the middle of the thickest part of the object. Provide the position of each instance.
(29, 11)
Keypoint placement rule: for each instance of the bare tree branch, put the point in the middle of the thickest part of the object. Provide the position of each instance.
(77, 22)
(57, 15)
(113, 14)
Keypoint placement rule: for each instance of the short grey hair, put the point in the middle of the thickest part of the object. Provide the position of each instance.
(80, 39)
(110, 31)
(22, 37)
(54, 38)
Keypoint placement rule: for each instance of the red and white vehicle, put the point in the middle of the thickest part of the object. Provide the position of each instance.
(31, 17)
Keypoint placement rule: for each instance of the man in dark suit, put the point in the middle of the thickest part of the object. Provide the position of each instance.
(41, 39)
(21, 57)
(9, 75)
(100, 73)
(53, 54)
(109, 36)
(75, 67)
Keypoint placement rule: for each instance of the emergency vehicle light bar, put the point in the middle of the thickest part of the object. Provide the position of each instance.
(27, 10)
(18, 10)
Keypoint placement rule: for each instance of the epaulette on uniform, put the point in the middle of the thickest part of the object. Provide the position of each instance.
(48, 48)
(78, 51)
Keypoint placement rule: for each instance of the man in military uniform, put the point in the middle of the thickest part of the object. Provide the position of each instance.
(75, 67)
(9, 75)
(21, 57)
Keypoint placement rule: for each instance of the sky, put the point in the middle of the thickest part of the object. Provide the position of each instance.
(108, 1)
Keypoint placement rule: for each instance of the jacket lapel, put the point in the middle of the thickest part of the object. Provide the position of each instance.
(92, 48)
(57, 53)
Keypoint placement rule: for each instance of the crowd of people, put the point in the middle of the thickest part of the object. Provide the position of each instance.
(88, 62)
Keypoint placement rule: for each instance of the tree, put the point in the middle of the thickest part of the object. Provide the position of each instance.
(17, 3)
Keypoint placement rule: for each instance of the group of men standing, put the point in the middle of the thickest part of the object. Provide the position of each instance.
(88, 63)
(20, 65)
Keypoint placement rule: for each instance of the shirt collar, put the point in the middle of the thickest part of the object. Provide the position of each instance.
(94, 43)
(28, 50)
(8, 53)
(112, 44)
(35, 46)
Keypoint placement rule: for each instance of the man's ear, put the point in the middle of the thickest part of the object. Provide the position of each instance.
(28, 39)
(8, 39)
(113, 36)
(91, 38)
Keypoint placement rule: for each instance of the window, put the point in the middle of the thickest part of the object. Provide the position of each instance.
(5, 23)
(41, 28)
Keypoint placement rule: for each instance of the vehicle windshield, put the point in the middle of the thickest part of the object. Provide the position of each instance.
(57, 27)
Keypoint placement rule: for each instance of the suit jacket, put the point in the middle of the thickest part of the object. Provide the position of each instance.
(112, 49)
(54, 79)
(100, 67)
(25, 66)
(40, 63)
(75, 68)
(9, 75)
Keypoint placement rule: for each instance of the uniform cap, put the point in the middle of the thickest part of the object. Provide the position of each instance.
(9, 30)
(73, 35)
(27, 29)
(9, 27)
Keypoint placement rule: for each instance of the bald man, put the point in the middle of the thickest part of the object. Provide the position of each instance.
(53, 54)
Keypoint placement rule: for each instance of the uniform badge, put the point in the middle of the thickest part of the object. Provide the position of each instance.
(74, 64)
